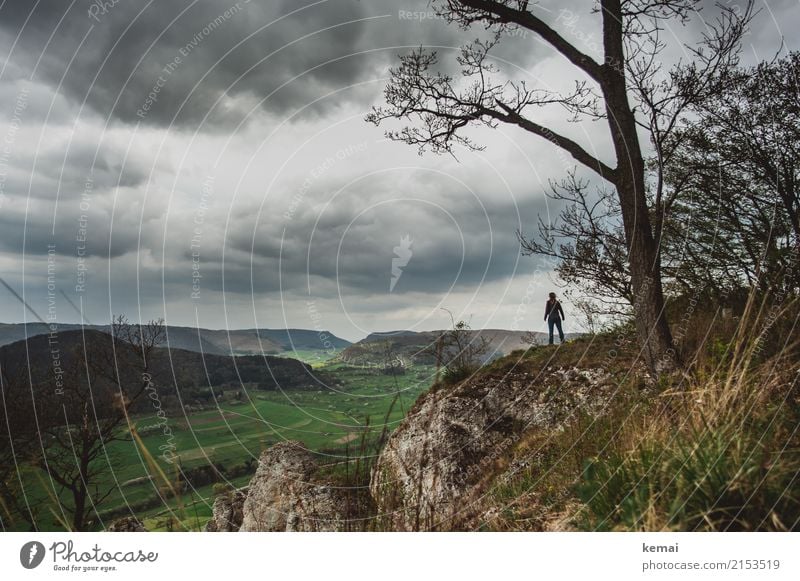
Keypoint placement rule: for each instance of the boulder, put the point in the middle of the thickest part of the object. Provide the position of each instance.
(430, 473)
(284, 496)
(128, 524)
(226, 514)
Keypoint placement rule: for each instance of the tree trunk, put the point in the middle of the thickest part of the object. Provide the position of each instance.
(80, 493)
(79, 498)
(643, 253)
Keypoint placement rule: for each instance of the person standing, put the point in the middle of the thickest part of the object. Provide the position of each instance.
(554, 314)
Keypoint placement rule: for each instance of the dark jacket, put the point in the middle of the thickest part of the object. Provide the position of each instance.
(551, 310)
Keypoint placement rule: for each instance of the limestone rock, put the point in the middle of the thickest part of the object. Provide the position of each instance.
(429, 472)
(226, 514)
(283, 495)
(128, 524)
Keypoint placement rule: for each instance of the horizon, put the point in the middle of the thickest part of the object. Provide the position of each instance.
(352, 341)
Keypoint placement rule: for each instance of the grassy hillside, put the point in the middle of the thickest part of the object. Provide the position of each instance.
(183, 378)
(714, 448)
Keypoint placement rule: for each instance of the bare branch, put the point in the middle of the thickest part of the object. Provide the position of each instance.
(515, 12)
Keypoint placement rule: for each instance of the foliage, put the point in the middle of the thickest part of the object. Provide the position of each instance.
(734, 175)
(460, 352)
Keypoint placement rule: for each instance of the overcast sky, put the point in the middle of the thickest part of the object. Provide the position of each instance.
(145, 143)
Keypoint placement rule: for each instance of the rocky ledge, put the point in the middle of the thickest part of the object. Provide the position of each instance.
(435, 466)
(282, 496)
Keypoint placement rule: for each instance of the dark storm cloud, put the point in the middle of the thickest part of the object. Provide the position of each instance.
(152, 61)
(114, 62)
(138, 61)
(183, 60)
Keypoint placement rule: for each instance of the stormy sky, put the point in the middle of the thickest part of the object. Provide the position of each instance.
(207, 161)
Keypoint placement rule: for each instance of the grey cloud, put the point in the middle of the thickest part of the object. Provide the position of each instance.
(152, 261)
(456, 241)
(32, 228)
(227, 48)
(65, 166)
(130, 32)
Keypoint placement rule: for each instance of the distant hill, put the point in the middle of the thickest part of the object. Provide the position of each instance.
(182, 377)
(212, 341)
(384, 335)
(418, 347)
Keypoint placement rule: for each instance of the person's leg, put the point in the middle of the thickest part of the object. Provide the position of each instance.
(560, 330)
(550, 323)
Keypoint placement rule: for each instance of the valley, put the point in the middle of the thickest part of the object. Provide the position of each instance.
(213, 406)
(213, 416)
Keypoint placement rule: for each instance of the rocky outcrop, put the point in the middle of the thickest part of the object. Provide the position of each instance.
(226, 514)
(128, 524)
(430, 473)
(436, 468)
(284, 496)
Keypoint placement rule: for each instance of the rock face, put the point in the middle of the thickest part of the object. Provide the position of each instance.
(226, 514)
(283, 496)
(436, 468)
(429, 475)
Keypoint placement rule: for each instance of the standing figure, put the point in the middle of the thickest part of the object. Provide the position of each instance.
(554, 314)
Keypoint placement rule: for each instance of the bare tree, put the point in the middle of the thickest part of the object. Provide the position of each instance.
(588, 244)
(460, 350)
(632, 40)
(105, 377)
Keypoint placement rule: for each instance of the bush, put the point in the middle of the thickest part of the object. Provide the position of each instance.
(221, 489)
(460, 352)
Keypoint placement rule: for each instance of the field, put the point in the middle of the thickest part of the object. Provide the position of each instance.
(315, 358)
(230, 437)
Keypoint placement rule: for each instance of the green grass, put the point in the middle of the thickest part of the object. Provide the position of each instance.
(314, 357)
(715, 448)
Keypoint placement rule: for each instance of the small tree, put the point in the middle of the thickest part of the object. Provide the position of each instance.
(460, 351)
(588, 245)
(19, 439)
(104, 380)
